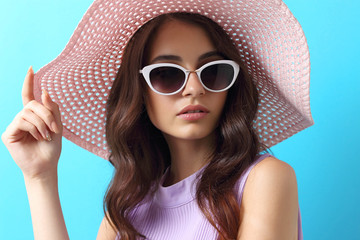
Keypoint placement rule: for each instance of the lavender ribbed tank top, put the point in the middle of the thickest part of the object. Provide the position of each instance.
(173, 214)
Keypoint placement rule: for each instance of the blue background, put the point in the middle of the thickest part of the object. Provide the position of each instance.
(324, 156)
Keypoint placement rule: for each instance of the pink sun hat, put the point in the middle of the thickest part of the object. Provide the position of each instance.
(270, 41)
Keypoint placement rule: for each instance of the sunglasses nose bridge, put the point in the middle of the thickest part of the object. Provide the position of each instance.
(193, 86)
(189, 72)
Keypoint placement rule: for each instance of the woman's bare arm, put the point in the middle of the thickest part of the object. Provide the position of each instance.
(46, 214)
(269, 209)
(33, 139)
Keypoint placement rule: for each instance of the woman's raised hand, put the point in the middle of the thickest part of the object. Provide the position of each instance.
(33, 138)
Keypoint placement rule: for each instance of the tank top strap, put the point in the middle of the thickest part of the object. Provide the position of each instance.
(240, 185)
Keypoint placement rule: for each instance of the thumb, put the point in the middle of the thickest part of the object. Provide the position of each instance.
(54, 108)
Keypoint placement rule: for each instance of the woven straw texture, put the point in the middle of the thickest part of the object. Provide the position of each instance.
(269, 38)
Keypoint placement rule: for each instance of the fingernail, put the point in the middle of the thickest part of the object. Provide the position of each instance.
(46, 93)
(30, 70)
(54, 127)
(48, 136)
(43, 92)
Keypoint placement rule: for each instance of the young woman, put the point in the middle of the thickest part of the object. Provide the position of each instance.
(182, 136)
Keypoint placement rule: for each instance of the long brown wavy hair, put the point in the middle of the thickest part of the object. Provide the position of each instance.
(141, 155)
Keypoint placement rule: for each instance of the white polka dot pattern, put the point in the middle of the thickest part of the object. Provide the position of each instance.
(270, 41)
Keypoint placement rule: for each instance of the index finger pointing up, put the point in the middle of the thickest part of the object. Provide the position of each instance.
(28, 87)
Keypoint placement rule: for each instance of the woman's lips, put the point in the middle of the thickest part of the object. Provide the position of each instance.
(193, 112)
(193, 116)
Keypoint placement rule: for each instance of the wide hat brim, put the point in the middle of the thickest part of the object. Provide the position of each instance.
(270, 40)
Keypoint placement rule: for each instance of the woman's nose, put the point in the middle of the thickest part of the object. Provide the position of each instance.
(193, 86)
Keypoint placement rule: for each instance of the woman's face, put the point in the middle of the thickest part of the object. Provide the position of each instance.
(190, 47)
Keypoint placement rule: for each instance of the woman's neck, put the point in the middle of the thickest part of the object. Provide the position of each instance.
(188, 156)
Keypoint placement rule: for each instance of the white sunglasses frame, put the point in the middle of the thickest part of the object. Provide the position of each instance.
(147, 69)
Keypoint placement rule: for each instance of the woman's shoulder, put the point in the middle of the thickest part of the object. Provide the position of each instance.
(265, 172)
(268, 173)
(270, 197)
(271, 168)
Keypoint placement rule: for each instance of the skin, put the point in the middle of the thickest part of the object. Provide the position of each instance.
(269, 206)
(26, 140)
(189, 141)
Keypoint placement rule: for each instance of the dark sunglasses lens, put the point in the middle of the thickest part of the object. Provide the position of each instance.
(217, 76)
(167, 79)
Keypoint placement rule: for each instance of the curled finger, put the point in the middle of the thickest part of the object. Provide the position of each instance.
(31, 117)
(46, 116)
(30, 128)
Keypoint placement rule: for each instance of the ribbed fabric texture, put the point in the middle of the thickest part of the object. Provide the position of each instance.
(173, 213)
